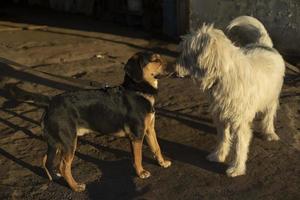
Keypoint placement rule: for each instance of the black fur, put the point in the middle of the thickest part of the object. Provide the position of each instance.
(250, 47)
(105, 111)
(133, 67)
(243, 35)
(142, 87)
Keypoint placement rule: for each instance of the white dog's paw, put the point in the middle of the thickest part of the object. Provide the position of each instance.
(271, 137)
(235, 171)
(213, 157)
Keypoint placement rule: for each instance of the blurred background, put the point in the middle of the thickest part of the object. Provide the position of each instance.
(175, 17)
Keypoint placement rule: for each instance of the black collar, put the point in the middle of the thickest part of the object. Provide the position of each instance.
(142, 87)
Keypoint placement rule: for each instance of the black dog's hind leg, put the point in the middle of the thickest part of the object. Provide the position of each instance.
(65, 167)
(49, 162)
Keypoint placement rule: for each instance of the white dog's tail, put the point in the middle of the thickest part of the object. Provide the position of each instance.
(246, 30)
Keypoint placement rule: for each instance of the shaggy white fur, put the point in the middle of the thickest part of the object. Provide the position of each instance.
(244, 30)
(239, 82)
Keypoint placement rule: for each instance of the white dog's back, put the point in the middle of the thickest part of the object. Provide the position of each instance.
(253, 82)
(268, 71)
(245, 30)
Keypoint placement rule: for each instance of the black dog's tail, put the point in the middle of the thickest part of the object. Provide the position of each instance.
(18, 94)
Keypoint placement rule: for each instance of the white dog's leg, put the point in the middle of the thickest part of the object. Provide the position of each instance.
(243, 138)
(268, 122)
(224, 142)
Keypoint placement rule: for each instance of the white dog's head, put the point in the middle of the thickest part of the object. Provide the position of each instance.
(205, 54)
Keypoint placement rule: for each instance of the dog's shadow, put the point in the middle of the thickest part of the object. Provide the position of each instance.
(116, 181)
(34, 169)
(117, 175)
(185, 153)
(200, 123)
(190, 155)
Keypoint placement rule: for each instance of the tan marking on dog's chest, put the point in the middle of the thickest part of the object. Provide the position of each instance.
(149, 120)
(120, 133)
(82, 131)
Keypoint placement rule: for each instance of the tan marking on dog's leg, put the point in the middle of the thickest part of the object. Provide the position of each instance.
(137, 159)
(155, 148)
(66, 172)
(61, 166)
(152, 140)
(45, 168)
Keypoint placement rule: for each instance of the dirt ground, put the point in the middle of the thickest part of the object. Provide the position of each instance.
(83, 48)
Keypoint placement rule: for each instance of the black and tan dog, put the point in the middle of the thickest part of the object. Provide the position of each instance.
(127, 110)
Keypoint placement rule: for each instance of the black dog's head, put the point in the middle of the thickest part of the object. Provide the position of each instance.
(146, 66)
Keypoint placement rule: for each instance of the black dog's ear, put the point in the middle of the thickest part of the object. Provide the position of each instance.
(134, 67)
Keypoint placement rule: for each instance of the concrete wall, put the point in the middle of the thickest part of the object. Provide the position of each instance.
(280, 17)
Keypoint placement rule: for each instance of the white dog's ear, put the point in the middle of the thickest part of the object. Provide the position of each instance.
(214, 60)
(207, 65)
(223, 53)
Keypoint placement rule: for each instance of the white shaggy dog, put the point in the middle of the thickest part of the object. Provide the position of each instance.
(245, 30)
(239, 82)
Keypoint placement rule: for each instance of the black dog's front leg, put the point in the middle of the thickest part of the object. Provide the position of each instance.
(136, 147)
(154, 146)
